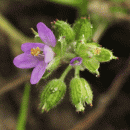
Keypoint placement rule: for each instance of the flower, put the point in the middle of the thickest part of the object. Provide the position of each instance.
(76, 59)
(37, 55)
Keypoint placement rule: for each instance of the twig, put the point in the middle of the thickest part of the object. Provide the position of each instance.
(16, 82)
(16, 37)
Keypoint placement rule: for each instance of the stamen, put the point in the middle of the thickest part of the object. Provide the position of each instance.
(35, 51)
(97, 51)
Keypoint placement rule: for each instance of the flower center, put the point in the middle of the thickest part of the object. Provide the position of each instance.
(35, 51)
(97, 51)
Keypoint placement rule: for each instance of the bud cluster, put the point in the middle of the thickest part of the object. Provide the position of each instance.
(75, 47)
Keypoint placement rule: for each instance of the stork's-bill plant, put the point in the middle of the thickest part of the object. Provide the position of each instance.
(69, 45)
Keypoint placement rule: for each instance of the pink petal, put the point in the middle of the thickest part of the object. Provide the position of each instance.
(25, 61)
(46, 34)
(49, 54)
(38, 72)
(26, 47)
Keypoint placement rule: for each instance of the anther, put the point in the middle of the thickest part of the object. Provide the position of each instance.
(35, 51)
(97, 51)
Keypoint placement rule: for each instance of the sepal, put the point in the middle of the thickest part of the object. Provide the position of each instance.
(76, 93)
(63, 45)
(82, 28)
(62, 28)
(36, 38)
(53, 65)
(80, 93)
(87, 94)
(105, 55)
(92, 64)
(53, 92)
(86, 49)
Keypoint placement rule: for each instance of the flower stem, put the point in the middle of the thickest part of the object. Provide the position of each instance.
(77, 70)
(65, 72)
(24, 108)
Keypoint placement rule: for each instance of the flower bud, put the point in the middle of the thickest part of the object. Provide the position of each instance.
(104, 55)
(86, 49)
(52, 94)
(82, 29)
(80, 92)
(62, 28)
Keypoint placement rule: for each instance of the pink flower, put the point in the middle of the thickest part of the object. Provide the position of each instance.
(37, 55)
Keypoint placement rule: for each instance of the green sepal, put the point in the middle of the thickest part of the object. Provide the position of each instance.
(63, 45)
(87, 94)
(76, 93)
(82, 28)
(53, 65)
(57, 49)
(51, 95)
(79, 107)
(86, 49)
(62, 28)
(36, 38)
(92, 64)
(34, 32)
(93, 44)
(80, 93)
(105, 55)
